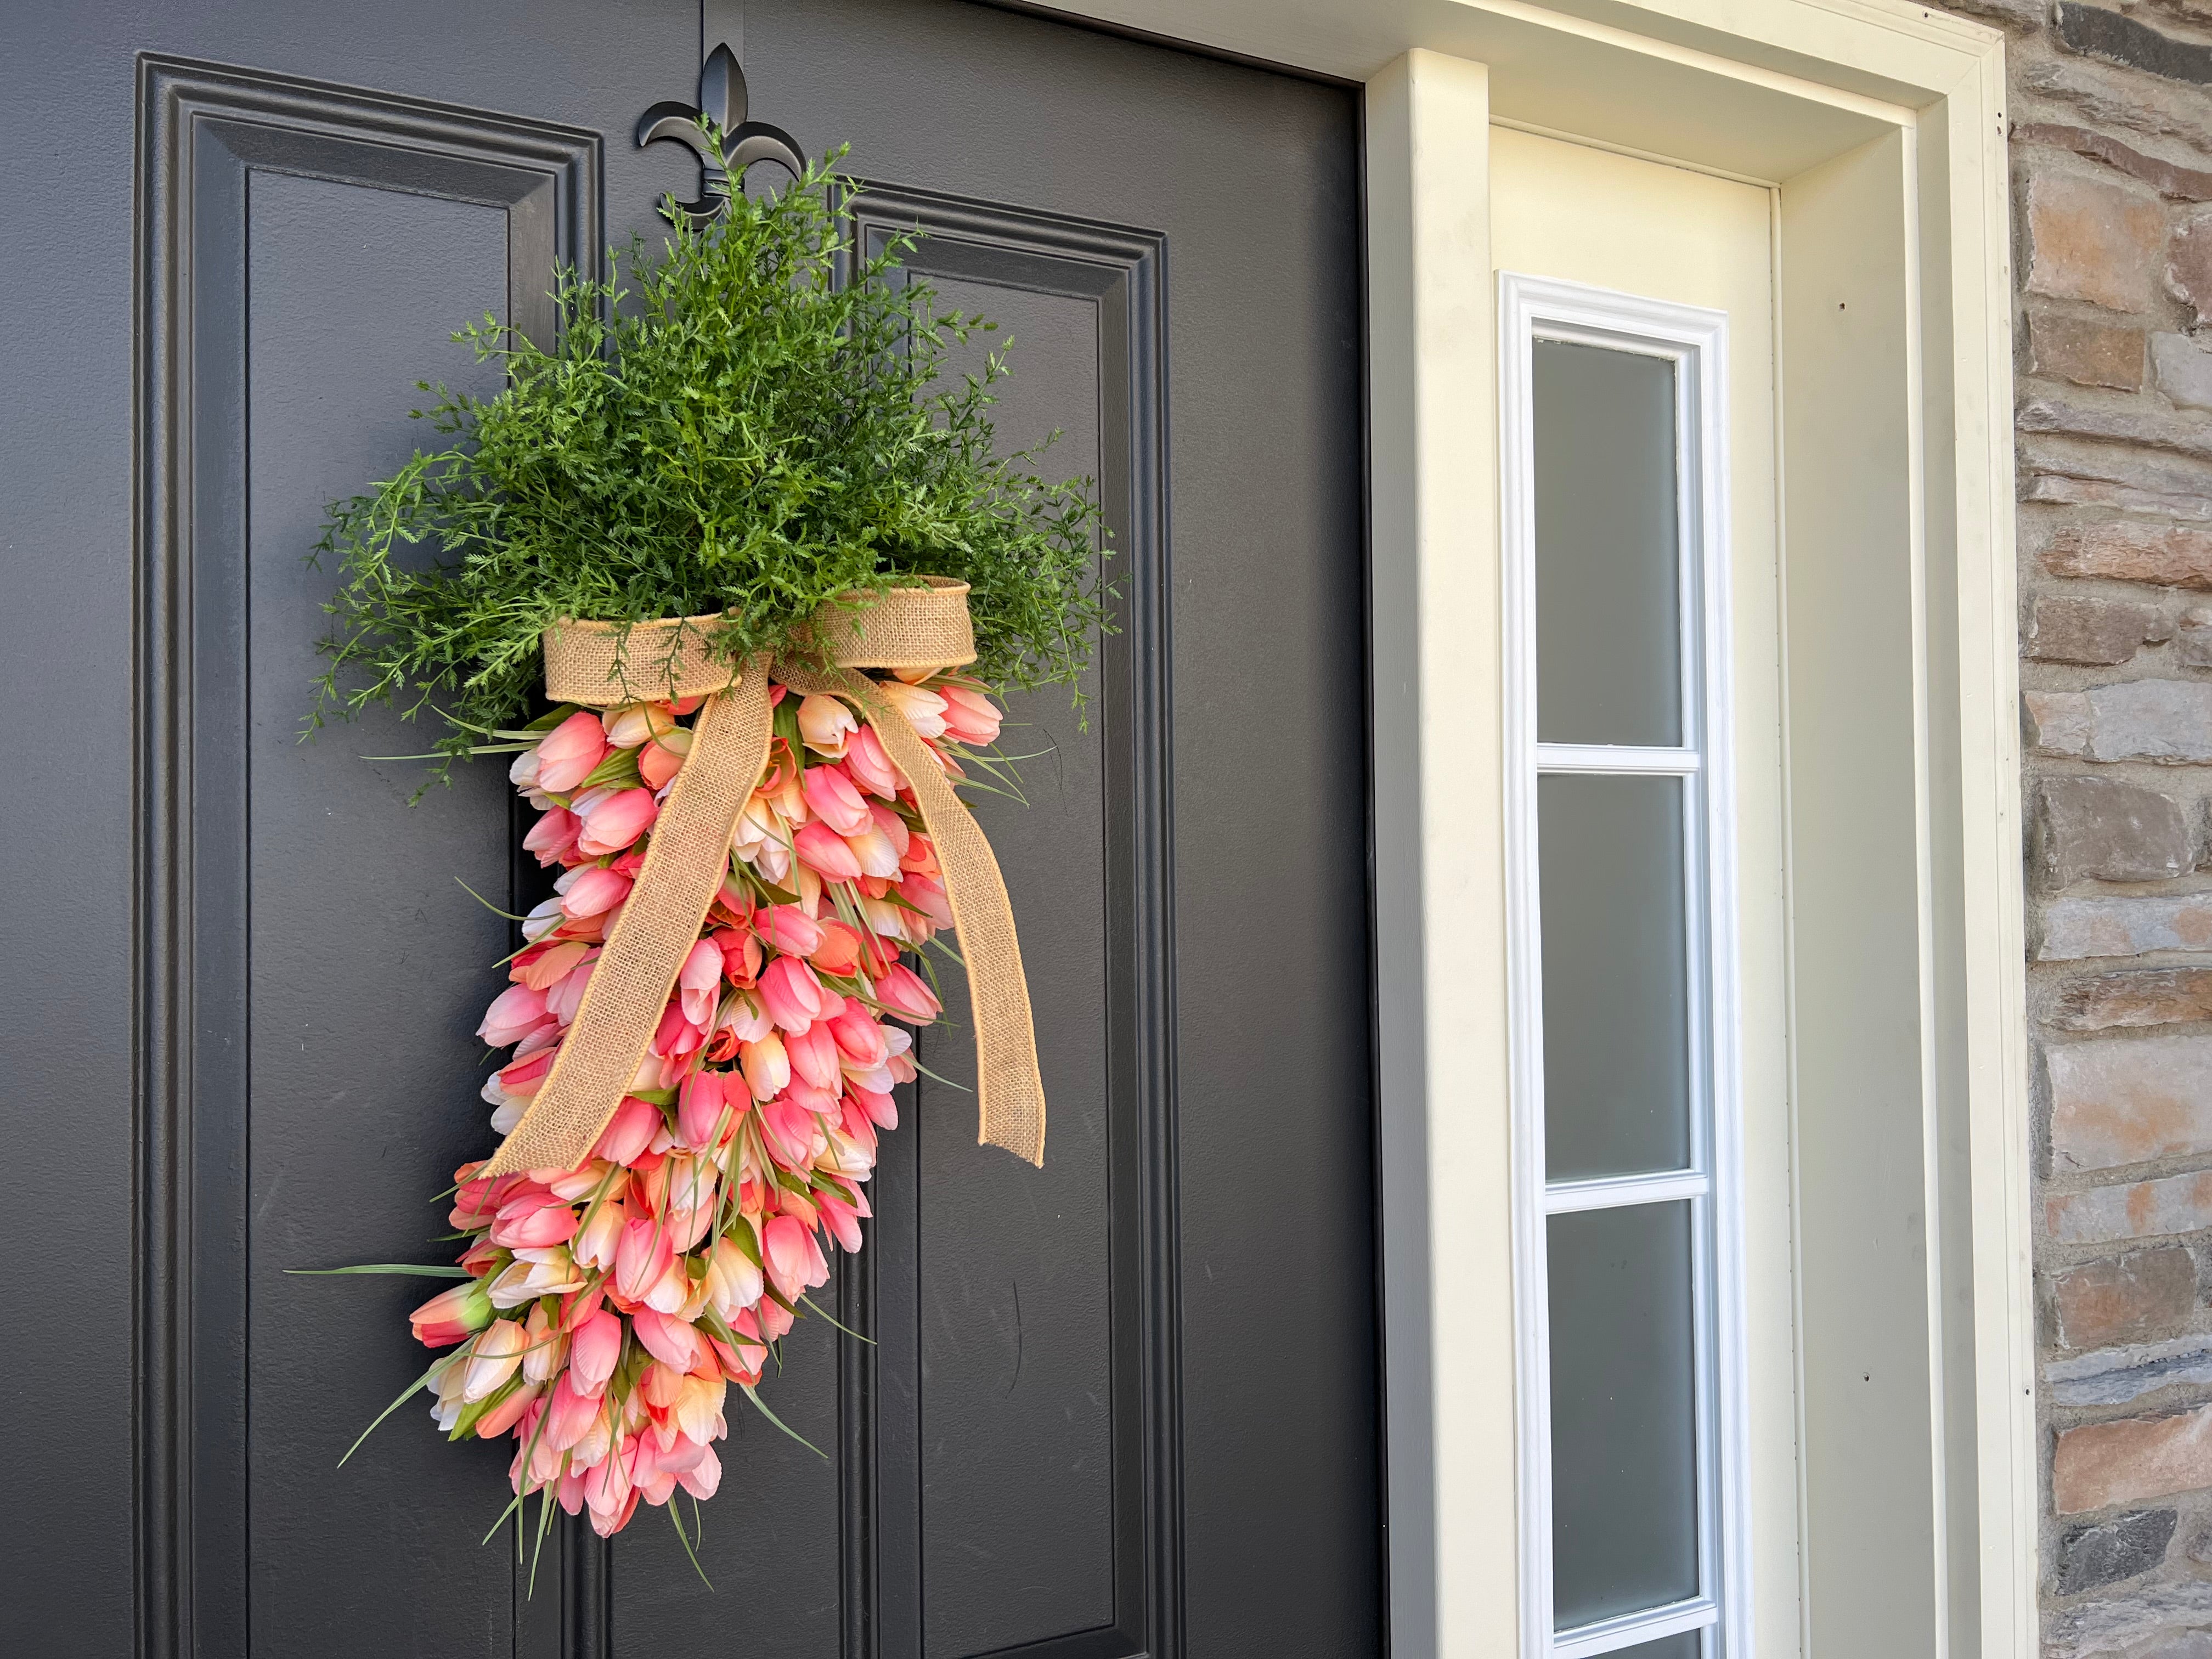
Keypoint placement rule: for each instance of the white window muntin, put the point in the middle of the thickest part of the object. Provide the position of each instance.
(1695, 341)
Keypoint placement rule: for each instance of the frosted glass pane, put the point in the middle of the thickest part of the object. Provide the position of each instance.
(1616, 965)
(1682, 1645)
(1609, 635)
(1623, 1428)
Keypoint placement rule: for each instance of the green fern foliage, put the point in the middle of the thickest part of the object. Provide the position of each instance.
(745, 425)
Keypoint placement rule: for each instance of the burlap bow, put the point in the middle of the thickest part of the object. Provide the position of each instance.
(603, 663)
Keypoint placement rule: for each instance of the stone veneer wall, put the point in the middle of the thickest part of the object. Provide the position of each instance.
(2111, 148)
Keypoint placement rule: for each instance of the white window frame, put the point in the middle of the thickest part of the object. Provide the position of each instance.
(1532, 308)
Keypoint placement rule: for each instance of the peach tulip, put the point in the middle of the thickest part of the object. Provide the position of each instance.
(924, 709)
(659, 760)
(767, 1066)
(628, 725)
(825, 724)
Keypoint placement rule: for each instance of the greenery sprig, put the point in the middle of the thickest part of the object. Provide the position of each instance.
(734, 432)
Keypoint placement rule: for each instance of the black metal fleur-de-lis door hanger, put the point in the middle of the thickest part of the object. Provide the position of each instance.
(722, 105)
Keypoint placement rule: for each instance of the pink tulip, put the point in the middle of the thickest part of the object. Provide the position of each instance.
(814, 1057)
(646, 1269)
(659, 760)
(525, 1077)
(567, 754)
(767, 1066)
(926, 894)
(825, 724)
(614, 823)
(702, 1478)
(671, 1341)
(553, 837)
(533, 1222)
(630, 724)
(823, 851)
(789, 929)
(860, 1039)
(843, 1219)
(793, 1258)
(700, 983)
(969, 716)
(595, 890)
(608, 1494)
(629, 1131)
(449, 1316)
(568, 1415)
(881, 1110)
(835, 800)
(594, 1348)
(870, 768)
(792, 1130)
(900, 990)
(924, 709)
(703, 1106)
(563, 999)
(513, 1014)
(498, 1350)
(792, 995)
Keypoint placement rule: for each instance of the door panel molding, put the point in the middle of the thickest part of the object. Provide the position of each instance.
(204, 129)
(1123, 273)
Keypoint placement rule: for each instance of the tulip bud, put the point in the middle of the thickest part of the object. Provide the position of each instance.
(614, 823)
(594, 1348)
(497, 1352)
(567, 754)
(767, 1066)
(445, 1319)
(924, 709)
(659, 760)
(901, 991)
(634, 723)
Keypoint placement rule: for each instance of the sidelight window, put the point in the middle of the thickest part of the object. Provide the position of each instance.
(1628, 1293)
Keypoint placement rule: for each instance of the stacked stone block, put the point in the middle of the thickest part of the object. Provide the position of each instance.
(2111, 122)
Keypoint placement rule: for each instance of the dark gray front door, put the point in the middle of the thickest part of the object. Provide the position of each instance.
(1127, 1405)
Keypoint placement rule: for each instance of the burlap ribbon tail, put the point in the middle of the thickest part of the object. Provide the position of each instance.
(603, 663)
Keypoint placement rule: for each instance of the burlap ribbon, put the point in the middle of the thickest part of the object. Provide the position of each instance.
(603, 663)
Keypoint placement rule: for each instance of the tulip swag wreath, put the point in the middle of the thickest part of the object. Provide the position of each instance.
(732, 483)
